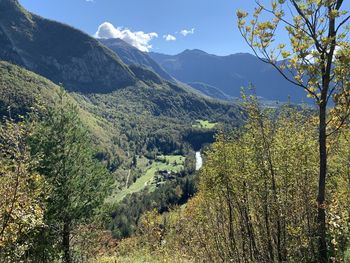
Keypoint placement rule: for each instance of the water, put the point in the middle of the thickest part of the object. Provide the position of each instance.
(199, 161)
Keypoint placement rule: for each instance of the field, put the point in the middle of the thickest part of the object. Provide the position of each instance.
(174, 163)
(204, 124)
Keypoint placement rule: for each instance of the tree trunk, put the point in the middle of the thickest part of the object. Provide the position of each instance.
(321, 218)
(66, 241)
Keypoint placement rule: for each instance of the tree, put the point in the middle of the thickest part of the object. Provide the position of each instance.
(21, 191)
(316, 60)
(78, 181)
(254, 202)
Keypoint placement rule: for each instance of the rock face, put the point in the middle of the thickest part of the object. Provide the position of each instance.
(58, 52)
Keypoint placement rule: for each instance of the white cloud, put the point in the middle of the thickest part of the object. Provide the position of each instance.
(186, 32)
(314, 54)
(138, 39)
(169, 37)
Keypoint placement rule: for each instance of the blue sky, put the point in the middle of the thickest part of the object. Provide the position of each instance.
(210, 24)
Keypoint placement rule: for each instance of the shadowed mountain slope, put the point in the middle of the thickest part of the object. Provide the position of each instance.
(59, 52)
(132, 56)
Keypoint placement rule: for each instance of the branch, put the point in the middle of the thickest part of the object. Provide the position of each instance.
(340, 125)
(267, 61)
(313, 35)
(342, 23)
(339, 4)
(331, 92)
(311, 27)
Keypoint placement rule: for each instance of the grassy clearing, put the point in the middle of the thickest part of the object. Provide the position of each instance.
(204, 124)
(174, 163)
(176, 160)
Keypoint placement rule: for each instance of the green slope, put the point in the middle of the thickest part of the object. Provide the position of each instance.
(21, 90)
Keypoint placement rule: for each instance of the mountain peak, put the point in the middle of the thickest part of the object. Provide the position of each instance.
(9, 3)
(216, 75)
(193, 52)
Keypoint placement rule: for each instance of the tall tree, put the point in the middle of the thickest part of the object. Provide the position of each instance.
(78, 181)
(316, 60)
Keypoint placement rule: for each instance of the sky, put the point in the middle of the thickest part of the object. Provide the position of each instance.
(164, 26)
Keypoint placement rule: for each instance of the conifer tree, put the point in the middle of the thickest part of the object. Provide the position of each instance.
(78, 181)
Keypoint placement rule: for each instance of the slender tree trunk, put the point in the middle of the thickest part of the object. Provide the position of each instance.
(321, 218)
(66, 241)
(270, 255)
(233, 246)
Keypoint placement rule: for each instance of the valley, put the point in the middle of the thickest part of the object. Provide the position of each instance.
(117, 146)
(153, 174)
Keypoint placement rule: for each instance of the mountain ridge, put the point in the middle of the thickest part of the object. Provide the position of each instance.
(229, 74)
(132, 56)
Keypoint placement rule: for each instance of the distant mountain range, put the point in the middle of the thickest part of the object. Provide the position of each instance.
(220, 77)
(225, 75)
(134, 57)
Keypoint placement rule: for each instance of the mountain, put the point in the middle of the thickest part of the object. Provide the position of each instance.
(139, 107)
(228, 74)
(132, 56)
(59, 52)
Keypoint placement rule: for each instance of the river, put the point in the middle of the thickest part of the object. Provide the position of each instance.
(199, 161)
